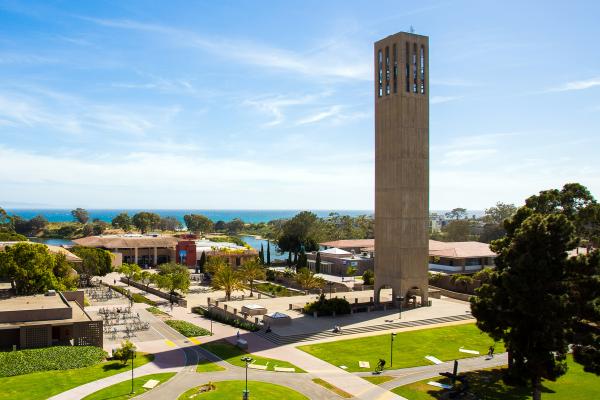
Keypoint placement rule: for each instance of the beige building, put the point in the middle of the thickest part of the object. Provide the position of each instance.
(144, 250)
(402, 164)
(47, 320)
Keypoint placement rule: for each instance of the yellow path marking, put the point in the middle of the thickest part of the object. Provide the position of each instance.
(170, 343)
(194, 340)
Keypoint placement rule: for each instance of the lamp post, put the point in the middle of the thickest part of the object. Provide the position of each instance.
(246, 394)
(400, 300)
(330, 284)
(132, 357)
(392, 350)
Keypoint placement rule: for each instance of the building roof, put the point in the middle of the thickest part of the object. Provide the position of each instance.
(53, 249)
(336, 251)
(460, 249)
(127, 241)
(350, 243)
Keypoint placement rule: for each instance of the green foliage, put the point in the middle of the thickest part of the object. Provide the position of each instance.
(237, 323)
(80, 215)
(29, 227)
(122, 390)
(169, 224)
(202, 261)
(198, 223)
(228, 239)
(129, 270)
(95, 262)
(136, 297)
(235, 226)
(457, 213)
(187, 329)
(368, 277)
(145, 221)
(458, 230)
(251, 271)
(318, 263)
(276, 290)
(307, 279)
(228, 280)
(35, 270)
(325, 306)
(173, 277)
(268, 253)
(50, 358)
(122, 221)
(124, 353)
(12, 237)
(156, 311)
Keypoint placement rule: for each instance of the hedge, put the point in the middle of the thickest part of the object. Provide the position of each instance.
(187, 329)
(237, 323)
(328, 306)
(137, 298)
(50, 358)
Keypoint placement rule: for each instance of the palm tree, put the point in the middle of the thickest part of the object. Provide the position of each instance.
(252, 270)
(227, 279)
(214, 264)
(307, 279)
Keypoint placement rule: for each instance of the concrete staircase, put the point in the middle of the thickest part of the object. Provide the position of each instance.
(307, 337)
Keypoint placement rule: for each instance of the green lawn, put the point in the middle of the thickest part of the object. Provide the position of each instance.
(208, 366)
(232, 390)
(232, 354)
(187, 329)
(378, 379)
(122, 390)
(488, 385)
(334, 389)
(41, 385)
(275, 290)
(410, 348)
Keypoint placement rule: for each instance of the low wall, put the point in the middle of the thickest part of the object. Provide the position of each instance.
(233, 313)
(179, 300)
(445, 282)
(453, 295)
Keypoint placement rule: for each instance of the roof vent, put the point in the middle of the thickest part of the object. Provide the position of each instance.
(51, 293)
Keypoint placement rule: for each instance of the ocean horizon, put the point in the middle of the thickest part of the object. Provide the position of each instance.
(249, 216)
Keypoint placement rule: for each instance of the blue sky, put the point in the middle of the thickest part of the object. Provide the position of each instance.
(269, 104)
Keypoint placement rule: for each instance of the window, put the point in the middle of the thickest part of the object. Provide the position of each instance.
(380, 70)
(395, 79)
(414, 67)
(422, 62)
(387, 70)
(407, 72)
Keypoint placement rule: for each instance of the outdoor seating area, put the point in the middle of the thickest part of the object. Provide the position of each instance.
(102, 293)
(122, 320)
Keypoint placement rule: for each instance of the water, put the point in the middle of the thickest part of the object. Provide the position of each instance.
(52, 241)
(255, 243)
(250, 216)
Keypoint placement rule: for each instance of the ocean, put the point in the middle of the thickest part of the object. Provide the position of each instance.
(249, 216)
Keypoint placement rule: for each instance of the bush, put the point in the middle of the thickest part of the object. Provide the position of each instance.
(368, 277)
(237, 323)
(12, 237)
(328, 306)
(125, 352)
(271, 275)
(187, 329)
(50, 358)
(137, 298)
(157, 311)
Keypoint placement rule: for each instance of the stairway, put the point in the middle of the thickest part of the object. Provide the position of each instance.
(307, 337)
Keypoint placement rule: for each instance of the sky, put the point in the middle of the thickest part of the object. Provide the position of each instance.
(269, 104)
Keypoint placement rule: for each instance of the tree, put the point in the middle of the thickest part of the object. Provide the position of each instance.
(251, 271)
(11, 237)
(307, 280)
(5, 221)
(80, 215)
(302, 261)
(214, 263)
(524, 302)
(268, 252)
(202, 262)
(351, 271)
(499, 213)
(368, 277)
(235, 226)
(173, 277)
(98, 227)
(228, 280)
(94, 262)
(261, 254)
(318, 263)
(33, 269)
(144, 277)
(220, 226)
(458, 230)
(144, 221)
(122, 221)
(87, 230)
(457, 213)
(464, 280)
(198, 223)
(125, 353)
(129, 270)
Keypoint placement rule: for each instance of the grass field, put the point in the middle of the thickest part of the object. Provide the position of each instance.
(377, 379)
(232, 390)
(410, 348)
(122, 390)
(334, 389)
(208, 366)
(487, 384)
(232, 354)
(41, 385)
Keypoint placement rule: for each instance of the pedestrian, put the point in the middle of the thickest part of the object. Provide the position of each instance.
(238, 334)
(491, 352)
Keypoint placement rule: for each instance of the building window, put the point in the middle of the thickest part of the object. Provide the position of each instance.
(414, 67)
(387, 70)
(395, 68)
(407, 72)
(380, 70)
(422, 62)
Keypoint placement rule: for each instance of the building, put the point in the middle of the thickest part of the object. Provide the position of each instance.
(401, 91)
(450, 257)
(144, 250)
(47, 320)
(189, 252)
(336, 261)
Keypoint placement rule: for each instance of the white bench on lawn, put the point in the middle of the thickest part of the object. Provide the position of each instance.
(151, 384)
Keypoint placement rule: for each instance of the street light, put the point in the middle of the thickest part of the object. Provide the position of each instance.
(132, 357)
(392, 350)
(330, 284)
(246, 393)
(400, 300)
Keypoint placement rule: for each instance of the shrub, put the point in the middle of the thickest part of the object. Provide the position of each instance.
(271, 275)
(137, 298)
(125, 352)
(368, 277)
(50, 358)
(325, 306)
(156, 311)
(237, 323)
(187, 329)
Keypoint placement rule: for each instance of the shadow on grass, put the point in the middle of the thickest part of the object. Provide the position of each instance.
(488, 385)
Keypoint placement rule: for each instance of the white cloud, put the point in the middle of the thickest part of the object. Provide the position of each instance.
(276, 105)
(577, 85)
(330, 112)
(443, 99)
